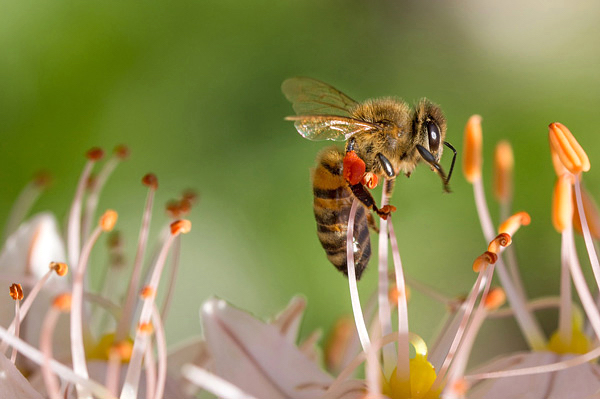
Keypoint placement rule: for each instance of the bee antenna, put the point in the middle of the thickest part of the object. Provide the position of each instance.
(453, 160)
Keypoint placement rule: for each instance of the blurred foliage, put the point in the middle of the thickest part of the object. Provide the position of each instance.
(193, 87)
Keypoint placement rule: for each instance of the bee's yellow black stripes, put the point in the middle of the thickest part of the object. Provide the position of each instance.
(332, 201)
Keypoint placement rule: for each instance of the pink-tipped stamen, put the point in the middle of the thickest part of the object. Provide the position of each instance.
(384, 310)
(373, 373)
(25, 201)
(27, 305)
(359, 319)
(175, 256)
(589, 243)
(403, 361)
(161, 349)
(125, 323)
(132, 377)
(74, 221)
(547, 368)
(13, 356)
(65, 372)
(580, 284)
(76, 327)
(458, 366)
(565, 313)
(91, 203)
(484, 275)
(213, 383)
(150, 369)
(46, 337)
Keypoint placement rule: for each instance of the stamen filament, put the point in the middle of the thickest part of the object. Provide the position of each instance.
(359, 319)
(589, 243)
(565, 314)
(161, 349)
(149, 367)
(175, 255)
(74, 221)
(13, 356)
(27, 197)
(46, 334)
(125, 322)
(403, 361)
(213, 383)
(77, 347)
(384, 310)
(65, 372)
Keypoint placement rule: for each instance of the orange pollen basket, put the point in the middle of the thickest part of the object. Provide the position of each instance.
(354, 168)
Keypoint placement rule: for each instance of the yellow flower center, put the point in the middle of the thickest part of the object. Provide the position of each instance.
(579, 343)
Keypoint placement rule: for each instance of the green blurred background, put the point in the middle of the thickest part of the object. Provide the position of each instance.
(193, 88)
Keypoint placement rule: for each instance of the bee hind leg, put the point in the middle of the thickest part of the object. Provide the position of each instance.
(366, 198)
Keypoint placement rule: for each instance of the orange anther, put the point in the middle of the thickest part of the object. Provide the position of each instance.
(182, 226)
(559, 168)
(121, 151)
(147, 292)
(394, 295)
(512, 224)
(185, 206)
(123, 350)
(592, 216)
(16, 292)
(495, 298)
(572, 156)
(146, 328)
(95, 154)
(562, 202)
(108, 220)
(42, 179)
(62, 302)
(503, 168)
(501, 240)
(338, 343)
(60, 268)
(483, 260)
(460, 387)
(370, 180)
(190, 195)
(150, 180)
(354, 168)
(473, 139)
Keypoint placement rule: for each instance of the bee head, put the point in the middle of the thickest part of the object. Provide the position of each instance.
(429, 127)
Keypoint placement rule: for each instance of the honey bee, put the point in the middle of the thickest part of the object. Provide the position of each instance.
(383, 135)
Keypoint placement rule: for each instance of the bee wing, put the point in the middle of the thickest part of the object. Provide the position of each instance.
(313, 97)
(327, 127)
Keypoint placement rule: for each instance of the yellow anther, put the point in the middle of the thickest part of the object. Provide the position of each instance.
(62, 302)
(472, 159)
(562, 202)
(503, 170)
(572, 156)
(182, 226)
(108, 220)
(512, 224)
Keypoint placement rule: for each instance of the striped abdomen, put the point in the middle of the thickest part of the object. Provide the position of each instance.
(332, 201)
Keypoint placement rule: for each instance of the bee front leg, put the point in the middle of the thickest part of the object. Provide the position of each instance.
(366, 198)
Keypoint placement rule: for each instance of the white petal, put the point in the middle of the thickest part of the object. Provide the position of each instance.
(255, 356)
(13, 384)
(32, 247)
(288, 321)
(575, 382)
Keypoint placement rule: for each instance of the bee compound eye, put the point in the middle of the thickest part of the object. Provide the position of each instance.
(434, 136)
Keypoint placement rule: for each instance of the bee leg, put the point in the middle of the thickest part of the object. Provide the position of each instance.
(366, 198)
(430, 159)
